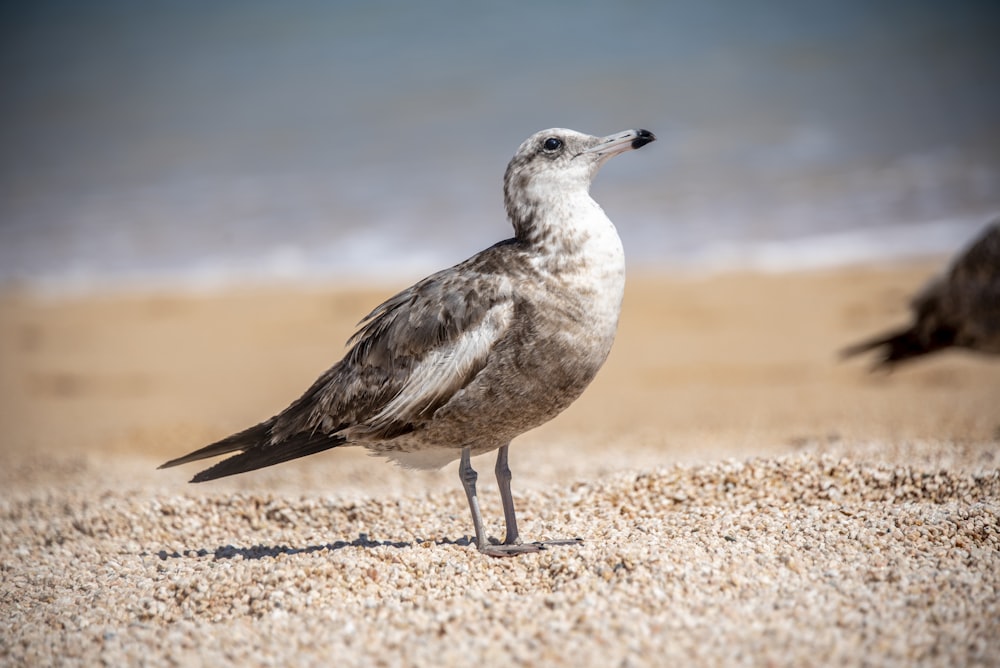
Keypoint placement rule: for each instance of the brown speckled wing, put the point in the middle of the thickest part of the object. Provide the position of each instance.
(972, 292)
(410, 354)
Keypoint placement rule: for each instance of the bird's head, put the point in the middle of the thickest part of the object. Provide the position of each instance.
(556, 163)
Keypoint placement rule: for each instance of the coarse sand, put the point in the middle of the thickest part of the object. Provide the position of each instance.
(743, 497)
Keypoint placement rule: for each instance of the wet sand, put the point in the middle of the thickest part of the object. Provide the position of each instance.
(743, 495)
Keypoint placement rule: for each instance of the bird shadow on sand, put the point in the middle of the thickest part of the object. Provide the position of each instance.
(271, 551)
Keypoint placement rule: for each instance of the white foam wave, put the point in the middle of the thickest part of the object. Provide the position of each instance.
(822, 251)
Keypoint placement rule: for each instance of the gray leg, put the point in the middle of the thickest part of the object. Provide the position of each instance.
(512, 544)
(503, 482)
(469, 477)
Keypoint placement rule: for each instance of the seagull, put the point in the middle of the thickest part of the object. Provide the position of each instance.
(960, 308)
(463, 361)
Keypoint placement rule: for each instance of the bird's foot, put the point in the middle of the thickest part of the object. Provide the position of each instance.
(514, 549)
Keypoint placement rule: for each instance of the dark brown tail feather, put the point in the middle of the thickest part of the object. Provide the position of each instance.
(258, 451)
(900, 345)
(261, 456)
(248, 438)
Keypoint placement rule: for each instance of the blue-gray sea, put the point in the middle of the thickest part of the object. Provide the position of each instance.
(189, 143)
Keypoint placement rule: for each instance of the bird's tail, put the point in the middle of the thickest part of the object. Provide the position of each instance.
(256, 451)
(248, 438)
(896, 346)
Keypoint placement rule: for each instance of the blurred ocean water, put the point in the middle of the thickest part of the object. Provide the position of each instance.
(187, 143)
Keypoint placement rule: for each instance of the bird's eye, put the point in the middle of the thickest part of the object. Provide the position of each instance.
(552, 144)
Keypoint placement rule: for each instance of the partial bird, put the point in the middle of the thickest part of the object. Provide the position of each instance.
(470, 357)
(959, 309)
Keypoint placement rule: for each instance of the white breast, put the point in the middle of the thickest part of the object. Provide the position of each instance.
(587, 258)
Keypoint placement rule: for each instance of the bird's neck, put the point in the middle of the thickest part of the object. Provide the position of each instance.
(569, 224)
(572, 238)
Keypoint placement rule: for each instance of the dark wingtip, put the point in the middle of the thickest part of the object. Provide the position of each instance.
(642, 137)
(900, 346)
(178, 462)
(191, 457)
(227, 467)
(881, 364)
(856, 349)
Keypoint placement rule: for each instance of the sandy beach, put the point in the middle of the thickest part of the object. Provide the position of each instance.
(744, 496)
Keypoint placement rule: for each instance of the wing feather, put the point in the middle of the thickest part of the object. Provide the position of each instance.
(445, 370)
(410, 355)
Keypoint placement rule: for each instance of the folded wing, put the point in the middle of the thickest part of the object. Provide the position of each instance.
(409, 357)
